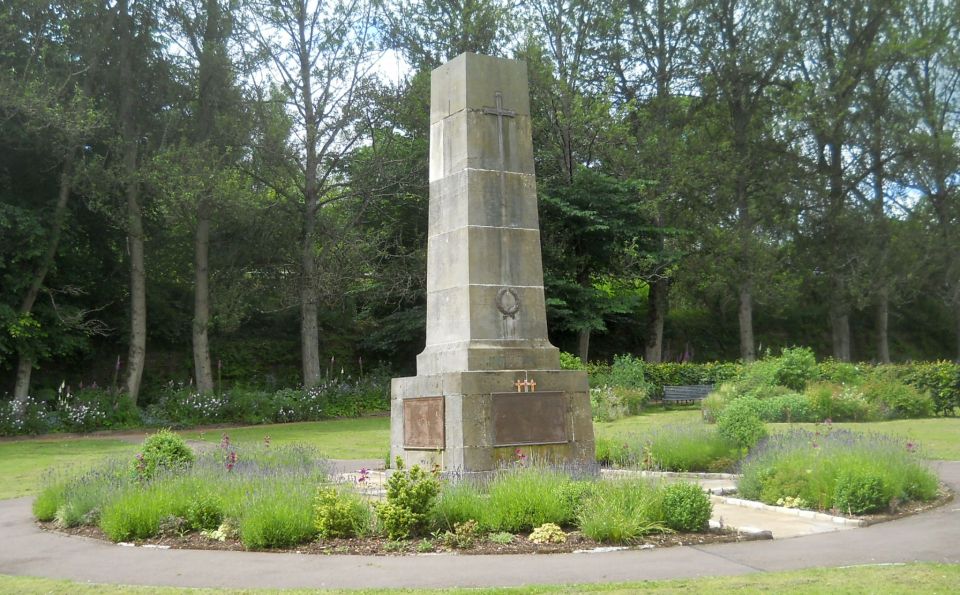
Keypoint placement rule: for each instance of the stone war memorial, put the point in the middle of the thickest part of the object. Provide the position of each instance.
(488, 381)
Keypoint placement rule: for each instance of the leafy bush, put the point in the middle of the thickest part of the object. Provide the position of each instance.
(610, 403)
(687, 507)
(900, 400)
(463, 536)
(714, 403)
(788, 407)
(340, 513)
(568, 361)
(940, 379)
(795, 367)
(839, 372)
(410, 496)
(740, 423)
(29, 416)
(162, 450)
(548, 533)
(861, 492)
(204, 512)
(627, 371)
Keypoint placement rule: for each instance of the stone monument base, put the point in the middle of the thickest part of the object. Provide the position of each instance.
(476, 421)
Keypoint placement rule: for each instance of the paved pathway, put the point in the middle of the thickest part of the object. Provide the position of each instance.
(933, 536)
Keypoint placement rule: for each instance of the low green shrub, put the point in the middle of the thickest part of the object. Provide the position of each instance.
(610, 403)
(613, 453)
(687, 507)
(277, 518)
(740, 423)
(524, 498)
(50, 499)
(811, 465)
(621, 511)
(162, 450)
(789, 407)
(548, 533)
(795, 367)
(464, 535)
(900, 401)
(687, 447)
(457, 503)
(205, 511)
(340, 513)
(861, 491)
(410, 496)
(714, 403)
(835, 371)
(941, 379)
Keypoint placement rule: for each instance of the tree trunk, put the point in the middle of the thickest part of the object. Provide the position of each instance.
(956, 315)
(138, 301)
(747, 349)
(24, 369)
(136, 355)
(583, 345)
(309, 292)
(883, 317)
(201, 303)
(840, 330)
(656, 312)
(309, 329)
(25, 361)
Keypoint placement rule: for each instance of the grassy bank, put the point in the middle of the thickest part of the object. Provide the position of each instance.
(897, 578)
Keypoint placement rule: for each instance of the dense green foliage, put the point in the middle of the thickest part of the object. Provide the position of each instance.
(410, 497)
(162, 451)
(709, 186)
(687, 507)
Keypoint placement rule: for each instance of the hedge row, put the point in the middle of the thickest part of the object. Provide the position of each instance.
(941, 378)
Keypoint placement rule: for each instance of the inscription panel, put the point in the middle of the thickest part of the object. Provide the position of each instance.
(423, 425)
(529, 418)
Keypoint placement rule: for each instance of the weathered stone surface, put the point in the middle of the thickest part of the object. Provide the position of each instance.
(486, 312)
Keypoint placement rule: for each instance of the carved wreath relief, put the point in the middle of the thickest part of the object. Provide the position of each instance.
(508, 302)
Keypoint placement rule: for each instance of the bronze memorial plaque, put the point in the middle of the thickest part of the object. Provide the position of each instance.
(423, 423)
(529, 418)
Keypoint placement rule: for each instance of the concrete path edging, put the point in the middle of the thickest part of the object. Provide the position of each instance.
(932, 536)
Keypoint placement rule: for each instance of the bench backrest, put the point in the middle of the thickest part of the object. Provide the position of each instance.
(694, 391)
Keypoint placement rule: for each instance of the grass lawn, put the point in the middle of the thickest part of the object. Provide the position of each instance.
(899, 578)
(23, 462)
(939, 437)
(360, 438)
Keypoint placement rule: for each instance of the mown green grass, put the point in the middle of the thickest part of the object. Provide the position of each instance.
(355, 438)
(897, 578)
(938, 437)
(23, 462)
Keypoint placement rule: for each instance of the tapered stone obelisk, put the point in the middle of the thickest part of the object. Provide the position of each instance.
(488, 381)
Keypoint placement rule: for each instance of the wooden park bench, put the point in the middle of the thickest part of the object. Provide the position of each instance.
(676, 395)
